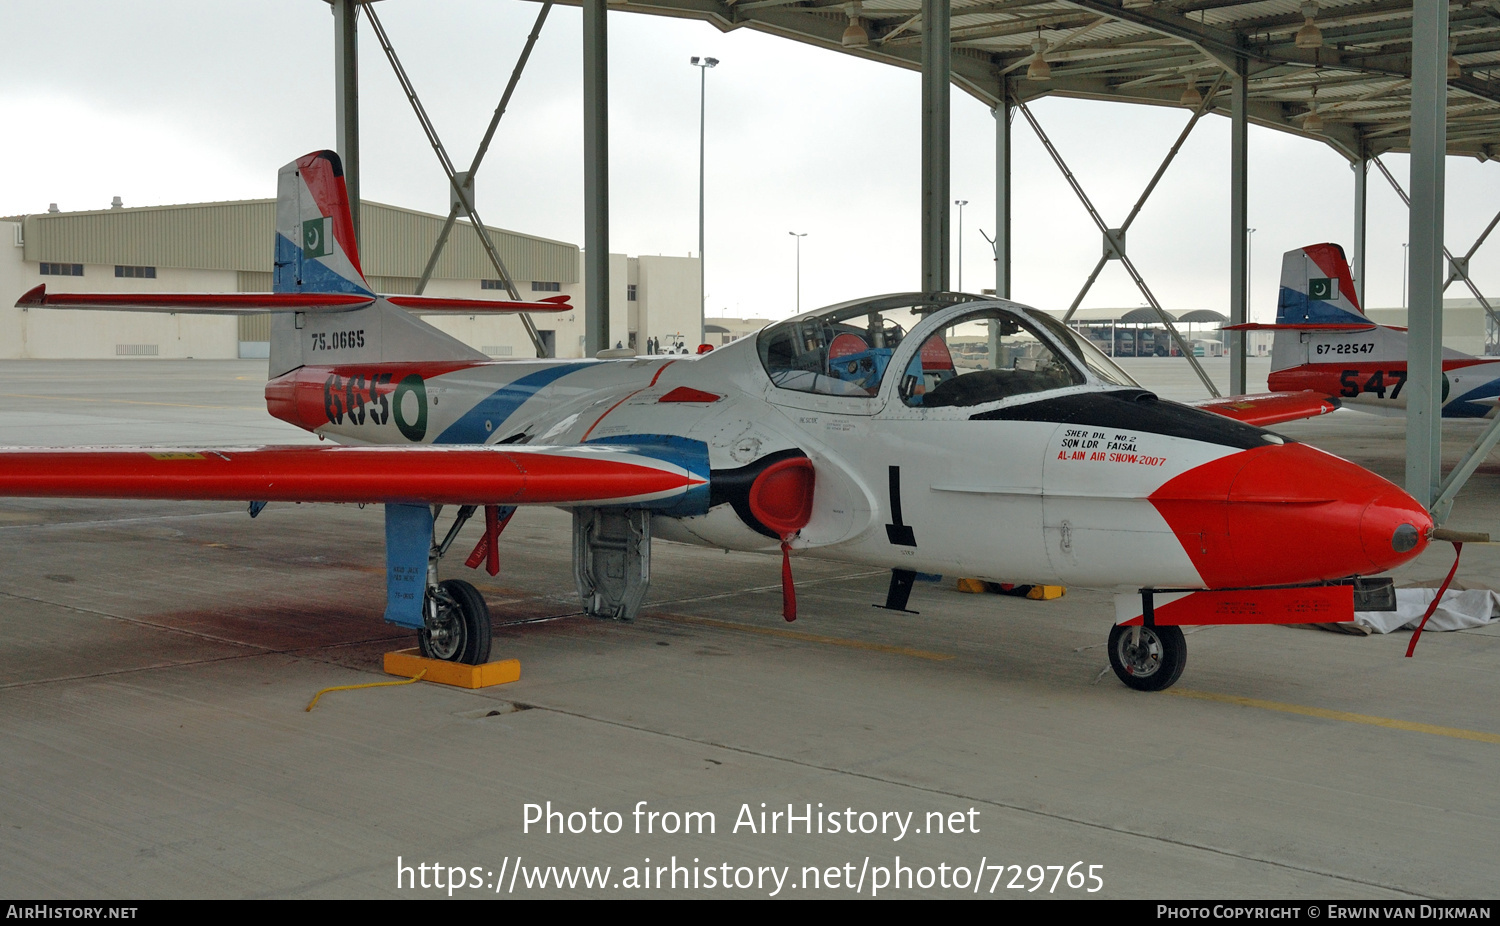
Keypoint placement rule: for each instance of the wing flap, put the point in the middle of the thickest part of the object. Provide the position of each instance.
(1270, 408)
(563, 476)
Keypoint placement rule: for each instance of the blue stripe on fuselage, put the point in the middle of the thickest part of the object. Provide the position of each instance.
(501, 404)
(1465, 407)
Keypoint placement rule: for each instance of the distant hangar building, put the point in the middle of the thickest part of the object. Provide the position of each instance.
(227, 247)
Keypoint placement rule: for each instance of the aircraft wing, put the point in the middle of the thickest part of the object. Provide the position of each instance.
(260, 303)
(617, 474)
(1268, 408)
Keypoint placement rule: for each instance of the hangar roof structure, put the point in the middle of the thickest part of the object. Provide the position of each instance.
(1357, 75)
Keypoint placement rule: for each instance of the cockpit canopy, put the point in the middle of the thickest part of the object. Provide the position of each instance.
(991, 353)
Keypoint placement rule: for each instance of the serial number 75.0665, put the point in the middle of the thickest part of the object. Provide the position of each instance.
(337, 340)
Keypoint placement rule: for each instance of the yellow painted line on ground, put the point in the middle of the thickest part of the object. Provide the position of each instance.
(75, 398)
(1345, 716)
(805, 637)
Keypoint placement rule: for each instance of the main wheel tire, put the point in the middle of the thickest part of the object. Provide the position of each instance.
(1153, 664)
(462, 633)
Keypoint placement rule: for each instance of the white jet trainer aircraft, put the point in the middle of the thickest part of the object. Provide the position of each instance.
(934, 433)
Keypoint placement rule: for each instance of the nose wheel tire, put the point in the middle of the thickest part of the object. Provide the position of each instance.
(461, 630)
(1153, 662)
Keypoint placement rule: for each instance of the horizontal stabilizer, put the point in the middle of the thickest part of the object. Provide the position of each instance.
(434, 304)
(262, 303)
(1270, 408)
(563, 476)
(197, 303)
(1305, 326)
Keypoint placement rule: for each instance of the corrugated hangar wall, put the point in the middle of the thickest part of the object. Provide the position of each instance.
(238, 236)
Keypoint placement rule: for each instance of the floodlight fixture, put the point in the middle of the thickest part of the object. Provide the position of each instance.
(1309, 36)
(1039, 69)
(855, 34)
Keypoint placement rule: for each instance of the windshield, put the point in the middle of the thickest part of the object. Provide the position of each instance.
(844, 350)
(1098, 363)
(984, 357)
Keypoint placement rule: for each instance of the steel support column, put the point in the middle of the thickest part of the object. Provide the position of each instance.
(1001, 244)
(1361, 168)
(1239, 245)
(346, 98)
(936, 62)
(1429, 145)
(595, 178)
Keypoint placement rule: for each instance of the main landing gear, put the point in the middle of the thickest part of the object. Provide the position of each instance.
(1147, 658)
(456, 621)
(457, 624)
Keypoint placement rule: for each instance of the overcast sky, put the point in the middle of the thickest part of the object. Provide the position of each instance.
(170, 101)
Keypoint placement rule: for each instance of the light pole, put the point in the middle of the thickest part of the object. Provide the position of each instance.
(1249, 275)
(1405, 262)
(960, 203)
(799, 236)
(702, 64)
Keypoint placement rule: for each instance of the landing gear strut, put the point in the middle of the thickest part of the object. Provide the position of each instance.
(456, 621)
(1147, 658)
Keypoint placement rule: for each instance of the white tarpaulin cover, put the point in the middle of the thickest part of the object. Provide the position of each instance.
(1459, 610)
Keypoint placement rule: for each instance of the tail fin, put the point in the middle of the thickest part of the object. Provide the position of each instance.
(1316, 288)
(316, 253)
(315, 247)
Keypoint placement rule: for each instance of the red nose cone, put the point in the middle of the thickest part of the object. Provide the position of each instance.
(1286, 514)
(1394, 526)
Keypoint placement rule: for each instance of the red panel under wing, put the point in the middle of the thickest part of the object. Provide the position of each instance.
(417, 475)
(1270, 408)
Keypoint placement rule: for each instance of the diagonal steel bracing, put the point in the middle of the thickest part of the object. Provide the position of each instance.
(1453, 274)
(1457, 269)
(1198, 113)
(484, 146)
(1119, 248)
(462, 193)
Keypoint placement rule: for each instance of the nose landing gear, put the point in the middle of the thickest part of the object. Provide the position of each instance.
(1147, 658)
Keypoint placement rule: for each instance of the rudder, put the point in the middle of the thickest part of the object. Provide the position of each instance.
(1317, 289)
(315, 247)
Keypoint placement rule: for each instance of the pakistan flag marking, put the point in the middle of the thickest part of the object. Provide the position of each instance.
(1322, 289)
(317, 237)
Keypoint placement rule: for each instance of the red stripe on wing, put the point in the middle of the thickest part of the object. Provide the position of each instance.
(426, 475)
(1270, 408)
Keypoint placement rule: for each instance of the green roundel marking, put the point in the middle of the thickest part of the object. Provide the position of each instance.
(413, 431)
